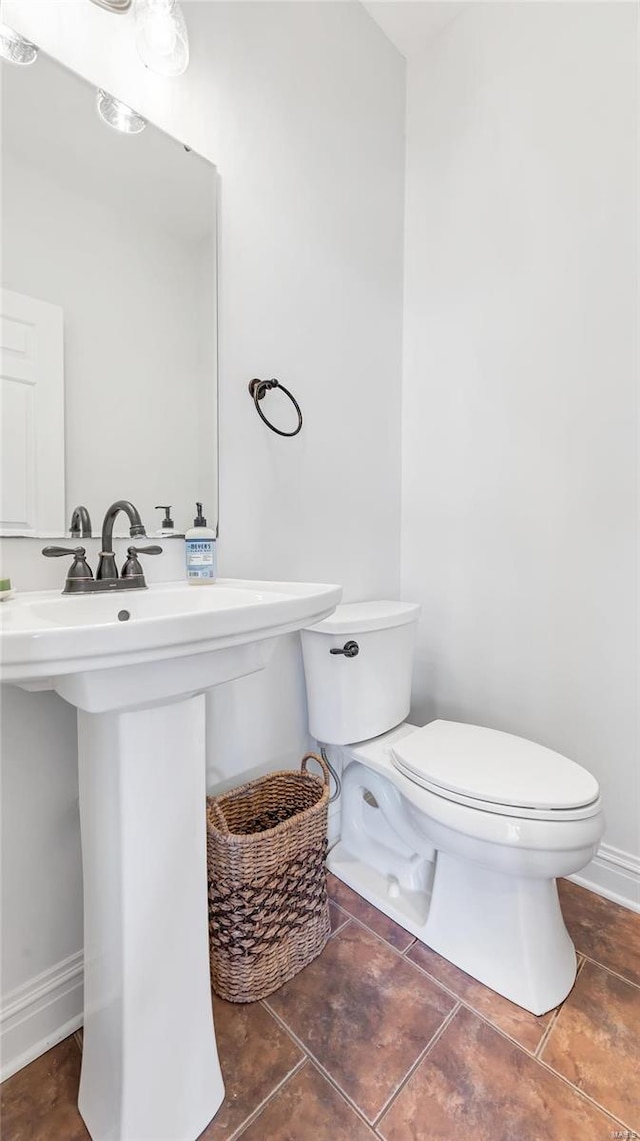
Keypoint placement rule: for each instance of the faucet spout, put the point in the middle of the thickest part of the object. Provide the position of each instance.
(80, 523)
(107, 564)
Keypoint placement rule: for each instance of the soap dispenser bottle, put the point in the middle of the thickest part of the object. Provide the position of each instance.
(200, 543)
(166, 527)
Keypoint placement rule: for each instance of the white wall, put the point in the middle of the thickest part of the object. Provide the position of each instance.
(519, 394)
(301, 107)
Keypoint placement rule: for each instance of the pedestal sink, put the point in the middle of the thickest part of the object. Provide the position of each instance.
(136, 666)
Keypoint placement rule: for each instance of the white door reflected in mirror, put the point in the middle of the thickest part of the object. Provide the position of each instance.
(32, 399)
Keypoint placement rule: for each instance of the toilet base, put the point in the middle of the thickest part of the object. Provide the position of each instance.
(505, 931)
(408, 908)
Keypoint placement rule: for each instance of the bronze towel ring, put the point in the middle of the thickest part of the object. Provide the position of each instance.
(258, 388)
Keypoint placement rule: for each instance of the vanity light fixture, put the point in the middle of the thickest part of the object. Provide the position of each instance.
(161, 36)
(114, 5)
(118, 115)
(15, 47)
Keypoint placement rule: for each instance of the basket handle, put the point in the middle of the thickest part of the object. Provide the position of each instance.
(219, 818)
(321, 762)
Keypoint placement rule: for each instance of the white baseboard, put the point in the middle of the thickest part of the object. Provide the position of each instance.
(40, 1013)
(615, 875)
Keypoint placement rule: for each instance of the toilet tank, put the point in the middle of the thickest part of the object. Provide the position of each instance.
(354, 698)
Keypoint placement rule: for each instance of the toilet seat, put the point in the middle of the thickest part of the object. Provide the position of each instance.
(495, 772)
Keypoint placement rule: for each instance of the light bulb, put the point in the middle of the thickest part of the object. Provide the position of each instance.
(161, 36)
(15, 47)
(118, 115)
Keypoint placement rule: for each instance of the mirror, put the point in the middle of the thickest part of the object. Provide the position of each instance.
(108, 322)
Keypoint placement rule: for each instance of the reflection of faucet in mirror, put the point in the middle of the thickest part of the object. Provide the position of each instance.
(80, 523)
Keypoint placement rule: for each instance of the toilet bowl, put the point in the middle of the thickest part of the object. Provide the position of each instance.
(458, 832)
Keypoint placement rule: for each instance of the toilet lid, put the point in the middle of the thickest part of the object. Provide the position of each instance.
(493, 767)
(361, 617)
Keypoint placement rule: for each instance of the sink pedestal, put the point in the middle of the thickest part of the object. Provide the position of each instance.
(150, 1069)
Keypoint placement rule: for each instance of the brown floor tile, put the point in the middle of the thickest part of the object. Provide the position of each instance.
(350, 901)
(308, 1108)
(40, 1103)
(475, 1083)
(337, 918)
(364, 1012)
(595, 1042)
(255, 1055)
(525, 1028)
(602, 930)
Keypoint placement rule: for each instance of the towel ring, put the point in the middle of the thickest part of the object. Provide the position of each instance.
(258, 388)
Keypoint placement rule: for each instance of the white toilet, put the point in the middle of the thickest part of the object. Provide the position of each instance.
(455, 831)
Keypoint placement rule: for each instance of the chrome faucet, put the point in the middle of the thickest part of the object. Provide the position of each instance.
(80, 578)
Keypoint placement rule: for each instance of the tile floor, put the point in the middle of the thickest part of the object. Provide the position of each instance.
(382, 1038)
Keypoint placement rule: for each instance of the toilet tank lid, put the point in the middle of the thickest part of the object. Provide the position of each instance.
(361, 617)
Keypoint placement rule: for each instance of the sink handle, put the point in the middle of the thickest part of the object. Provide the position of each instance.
(56, 552)
(79, 572)
(132, 567)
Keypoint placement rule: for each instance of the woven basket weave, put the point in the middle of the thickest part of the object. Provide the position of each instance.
(268, 907)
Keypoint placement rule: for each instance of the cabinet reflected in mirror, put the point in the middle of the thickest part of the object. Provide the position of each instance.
(109, 386)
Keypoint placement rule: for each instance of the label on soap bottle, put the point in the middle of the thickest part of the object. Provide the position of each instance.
(201, 559)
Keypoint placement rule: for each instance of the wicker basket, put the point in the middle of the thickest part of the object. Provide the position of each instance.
(268, 907)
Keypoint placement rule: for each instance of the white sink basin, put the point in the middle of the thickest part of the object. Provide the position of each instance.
(178, 639)
(136, 665)
(43, 634)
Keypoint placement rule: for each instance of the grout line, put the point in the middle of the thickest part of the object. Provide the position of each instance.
(498, 1029)
(346, 919)
(412, 1069)
(485, 1018)
(553, 1019)
(582, 1093)
(433, 979)
(467, 1006)
(609, 970)
(345, 1096)
(265, 1101)
(319, 1066)
(362, 923)
(547, 1031)
(396, 950)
